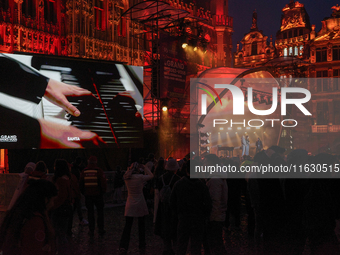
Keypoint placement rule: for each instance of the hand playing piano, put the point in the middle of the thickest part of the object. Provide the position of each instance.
(56, 92)
(55, 135)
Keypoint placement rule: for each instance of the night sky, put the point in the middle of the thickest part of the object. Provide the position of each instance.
(269, 15)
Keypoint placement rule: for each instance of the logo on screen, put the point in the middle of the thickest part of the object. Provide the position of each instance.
(238, 99)
(8, 138)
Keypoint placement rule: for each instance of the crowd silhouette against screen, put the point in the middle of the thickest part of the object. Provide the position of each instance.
(190, 215)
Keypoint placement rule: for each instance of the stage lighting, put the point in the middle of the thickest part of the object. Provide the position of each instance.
(184, 45)
(164, 104)
(204, 134)
(195, 48)
(203, 142)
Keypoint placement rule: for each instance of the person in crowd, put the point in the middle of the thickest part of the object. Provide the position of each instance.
(93, 186)
(76, 169)
(244, 144)
(245, 190)
(295, 191)
(159, 171)
(234, 197)
(62, 209)
(182, 170)
(22, 184)
(271, 204)
(247, 145)
(118, 183)
(321, 209)
(191, 202)
(151, 162)
(135, 205)
(76, 197)
(26, 229)
(149, 193)
(218, 190)
(166, 222)
(259, 145)
(39, 171)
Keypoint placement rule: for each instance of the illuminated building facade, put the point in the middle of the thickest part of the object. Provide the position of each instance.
(300, 51)
(255, 48)
(94, 29)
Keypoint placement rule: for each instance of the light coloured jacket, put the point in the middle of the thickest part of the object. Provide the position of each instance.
(136, 204)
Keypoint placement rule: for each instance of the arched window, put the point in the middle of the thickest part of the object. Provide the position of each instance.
(28, 8)
(296, 51)
(254, 48)
(301, 50)
(290, 51)
(50, 11)
(285, 52)
(99, 14)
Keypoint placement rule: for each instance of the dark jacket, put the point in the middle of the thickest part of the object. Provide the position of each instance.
(191, 198)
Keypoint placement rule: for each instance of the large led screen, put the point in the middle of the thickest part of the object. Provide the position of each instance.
(51, 102)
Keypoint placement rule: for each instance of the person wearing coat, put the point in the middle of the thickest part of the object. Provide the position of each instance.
(93, 185)
(166, 222)
(135, 205)
(244, 145)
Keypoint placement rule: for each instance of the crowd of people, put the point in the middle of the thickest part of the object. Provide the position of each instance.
(189, 214)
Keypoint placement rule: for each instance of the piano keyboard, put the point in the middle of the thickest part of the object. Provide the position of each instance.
(118, 116)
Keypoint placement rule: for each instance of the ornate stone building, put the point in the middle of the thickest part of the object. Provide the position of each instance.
(255, 48)
(325, 63)
(94, 29)
(295, 31)
(300, 51)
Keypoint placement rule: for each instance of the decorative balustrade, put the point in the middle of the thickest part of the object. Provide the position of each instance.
(325, 128)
